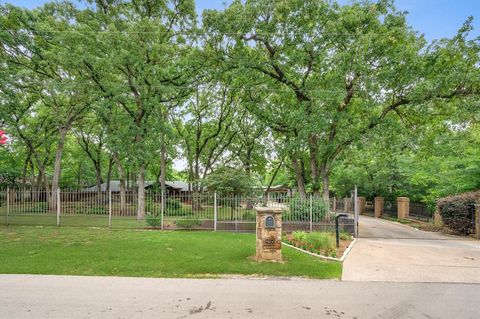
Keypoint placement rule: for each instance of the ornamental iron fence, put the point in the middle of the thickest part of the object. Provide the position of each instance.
(180, 211)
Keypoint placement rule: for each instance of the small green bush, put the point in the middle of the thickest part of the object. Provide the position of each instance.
(321, 241)
(300, 209)
(249, 215)
(153, 220)
(95, 210)
(187, 223)
(299, 235)
(458, 212)
(173, 204)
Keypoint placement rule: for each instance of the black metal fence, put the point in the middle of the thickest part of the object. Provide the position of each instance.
(420, 211)
(206, 211)
(390, 209)
(369, 208)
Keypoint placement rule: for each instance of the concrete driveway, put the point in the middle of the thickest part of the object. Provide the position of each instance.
(388, 251)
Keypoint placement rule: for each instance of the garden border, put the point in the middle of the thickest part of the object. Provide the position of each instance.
(341, 259)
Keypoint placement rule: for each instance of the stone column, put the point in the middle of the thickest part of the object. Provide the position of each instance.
(269, 234)
(362, 202)
(334, 204)
(347, 204)
(437, 217)
(403, 207)
(379, 202)
(477, 221)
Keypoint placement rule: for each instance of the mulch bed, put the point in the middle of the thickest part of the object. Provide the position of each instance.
(336, 253)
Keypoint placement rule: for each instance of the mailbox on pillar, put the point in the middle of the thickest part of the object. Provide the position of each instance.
(269, 234)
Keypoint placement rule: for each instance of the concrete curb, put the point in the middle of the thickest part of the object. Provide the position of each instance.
(341, 259)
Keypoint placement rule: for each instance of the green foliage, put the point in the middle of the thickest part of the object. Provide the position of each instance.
(249, 215)
(92, 210)
(187, 223)
(458, 212)
(153, 220)
(229, 181)
(299, 235)
(173, 205)
(321, 241)
(299, 209)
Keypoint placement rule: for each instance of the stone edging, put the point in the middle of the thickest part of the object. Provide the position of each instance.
(341, 259)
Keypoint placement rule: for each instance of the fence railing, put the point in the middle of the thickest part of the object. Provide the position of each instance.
(206, 211)
(420, 211)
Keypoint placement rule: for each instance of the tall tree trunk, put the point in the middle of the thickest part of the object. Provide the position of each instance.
(299, 177)
(141, 193)
(109, 174)
(314, 171)
(57, 167)
(98, 175)
(324, 171)
(122, 176)
(25, 169)
(43, 177)
(163, 159)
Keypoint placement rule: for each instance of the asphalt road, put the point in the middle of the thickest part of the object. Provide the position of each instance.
(388, 251)
(27, 296)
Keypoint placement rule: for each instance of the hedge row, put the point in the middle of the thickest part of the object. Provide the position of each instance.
(458, 212)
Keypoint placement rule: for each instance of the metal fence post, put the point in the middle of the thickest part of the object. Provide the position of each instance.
(311, 213)
(215, 211)
(109, 208)
(8, 206)
(162, 209)
(355, 210)
(58, 207)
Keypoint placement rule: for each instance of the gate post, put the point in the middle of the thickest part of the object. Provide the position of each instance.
(162, 208)
(477, 221)
(355, 213)
(437, 217)
(8, 206)
(378, 206)
(311, 213)
(361, 201)
(58, 207)
(334, 204)
(215, 211)
(347, 204)
(403, 207)
(109, 208)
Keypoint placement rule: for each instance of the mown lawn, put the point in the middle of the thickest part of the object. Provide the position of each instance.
(90, 251)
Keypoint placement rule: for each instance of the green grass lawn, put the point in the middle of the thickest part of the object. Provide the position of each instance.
(90, 251)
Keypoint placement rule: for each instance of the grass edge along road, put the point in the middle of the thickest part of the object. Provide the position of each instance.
(141, 253)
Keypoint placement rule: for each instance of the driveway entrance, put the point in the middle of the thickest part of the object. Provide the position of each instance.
(388, 251)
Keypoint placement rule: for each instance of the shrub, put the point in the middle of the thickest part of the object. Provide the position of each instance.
(95, 210)
(458, 212)
(153, 220)
(249, 215)
(299, 235)
(300, 209)
(173, 204)
(37, 208)
(321, 241)
(187, 223)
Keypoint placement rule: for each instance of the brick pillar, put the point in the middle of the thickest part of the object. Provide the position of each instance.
(334, 208)
(379, 202)
(437, 217)
(347, 204)
(403, 207)
(362, 202)
(477, 221)
(269, 234)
